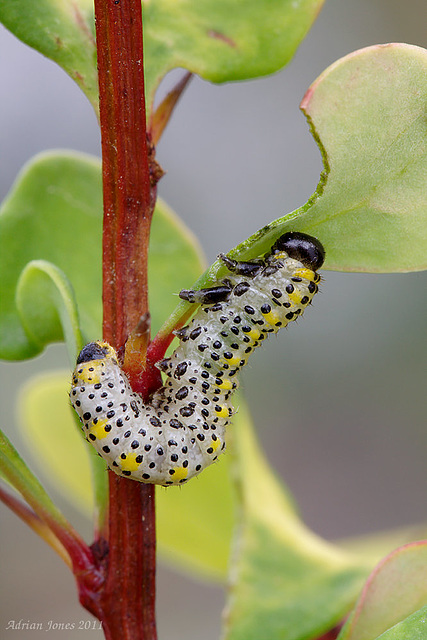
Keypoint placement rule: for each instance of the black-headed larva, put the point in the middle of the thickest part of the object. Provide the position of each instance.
(182, 429)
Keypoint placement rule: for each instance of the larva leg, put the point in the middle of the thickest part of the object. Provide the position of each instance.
(248, 269)
(221, 293)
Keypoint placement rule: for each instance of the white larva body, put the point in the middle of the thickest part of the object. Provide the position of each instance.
(182, 429)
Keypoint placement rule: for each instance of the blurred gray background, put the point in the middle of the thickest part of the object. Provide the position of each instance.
(351, 378)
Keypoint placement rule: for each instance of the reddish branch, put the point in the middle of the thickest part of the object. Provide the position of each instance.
(125, 602)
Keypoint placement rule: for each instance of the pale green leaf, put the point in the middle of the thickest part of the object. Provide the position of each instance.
(396, 589)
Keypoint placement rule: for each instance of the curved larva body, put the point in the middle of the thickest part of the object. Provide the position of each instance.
(182, 429)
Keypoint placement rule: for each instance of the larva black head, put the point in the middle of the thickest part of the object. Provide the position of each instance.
(93, 351)
(302, 247)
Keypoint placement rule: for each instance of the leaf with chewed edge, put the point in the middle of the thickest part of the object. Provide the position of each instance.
(367, 113)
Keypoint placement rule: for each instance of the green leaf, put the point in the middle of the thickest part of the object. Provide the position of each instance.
(62, 30)
(367, 114)
(395, 590)
(54, 214)
(286, 583)
(413, 628)
(223, 41)
(46, 305)
(194, 522)
(220, 40)
(367, 111)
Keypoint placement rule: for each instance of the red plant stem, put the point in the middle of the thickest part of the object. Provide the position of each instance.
(125, 604)
(126, 174)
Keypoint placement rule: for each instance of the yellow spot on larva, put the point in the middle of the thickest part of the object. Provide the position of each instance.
(307, 274)
(98, 429)
(254, 334)
(226, 385)
(180, 473)
(222, 413)
(272, 317)
(89, 372)
(280, 256)
(235, 360)
(295, 296)
(130, 463)
(215, 444)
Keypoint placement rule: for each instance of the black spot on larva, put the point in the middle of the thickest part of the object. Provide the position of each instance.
(116, 440)
(217, 344)
(147, 447)
(139, 459)
(135, 444)
(186, 412)
(209, 450)
(146, 476)
(180, 369)
(134, 407)
(249, 310)
(181, 393)
(241, 288)
(195, 333)
(155, 422)
(175, 424)
(127, 434)
(159, 451)
(172, 443)
(200, 436)
(86, 415)
(111, 414)
(265, 308)
(174, 457)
